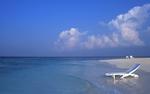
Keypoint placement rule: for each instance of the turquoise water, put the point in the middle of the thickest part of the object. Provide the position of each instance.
(64, 76)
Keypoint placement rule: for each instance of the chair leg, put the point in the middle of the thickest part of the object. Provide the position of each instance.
(113, 77)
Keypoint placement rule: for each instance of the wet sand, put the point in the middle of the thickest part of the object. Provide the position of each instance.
(126, 63)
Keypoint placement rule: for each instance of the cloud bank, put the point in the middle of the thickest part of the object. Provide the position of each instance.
(126, 32)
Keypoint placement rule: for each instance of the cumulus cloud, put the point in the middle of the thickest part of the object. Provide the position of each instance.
(72, 38)
(69, 38)
(129, 23)
(101, 41)
(126, 32)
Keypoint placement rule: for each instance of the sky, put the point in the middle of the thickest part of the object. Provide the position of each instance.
(74, 27)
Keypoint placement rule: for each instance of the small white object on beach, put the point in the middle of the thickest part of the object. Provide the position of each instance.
(129, 57)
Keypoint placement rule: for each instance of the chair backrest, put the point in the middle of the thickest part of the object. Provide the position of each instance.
(133, 68)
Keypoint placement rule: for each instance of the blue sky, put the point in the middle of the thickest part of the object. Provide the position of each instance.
(74, 27)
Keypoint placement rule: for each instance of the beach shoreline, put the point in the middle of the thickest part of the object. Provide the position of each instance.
(126, 63)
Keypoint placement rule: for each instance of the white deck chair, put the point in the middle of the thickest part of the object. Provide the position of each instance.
(129, 72)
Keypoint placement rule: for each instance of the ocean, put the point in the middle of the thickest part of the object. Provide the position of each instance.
(66, 75)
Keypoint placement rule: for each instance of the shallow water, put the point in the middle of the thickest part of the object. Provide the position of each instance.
(65, 76)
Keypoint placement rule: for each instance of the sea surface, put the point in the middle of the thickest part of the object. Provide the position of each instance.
(66, 76)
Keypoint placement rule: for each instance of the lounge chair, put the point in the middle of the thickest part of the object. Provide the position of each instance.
(129, 72)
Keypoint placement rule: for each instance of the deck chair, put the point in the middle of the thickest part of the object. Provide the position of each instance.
(129, 72)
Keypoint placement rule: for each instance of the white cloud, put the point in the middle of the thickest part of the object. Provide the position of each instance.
(74, 38)
(128, 24)
(101, 41)
(69, 38)
(126, 32)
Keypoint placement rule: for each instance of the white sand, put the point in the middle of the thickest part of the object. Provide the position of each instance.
(126, 63)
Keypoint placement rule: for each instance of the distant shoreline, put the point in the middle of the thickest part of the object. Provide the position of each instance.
(126, 63)
(111, 57)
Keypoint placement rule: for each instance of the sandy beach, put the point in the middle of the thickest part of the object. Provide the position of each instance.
(126, 63)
